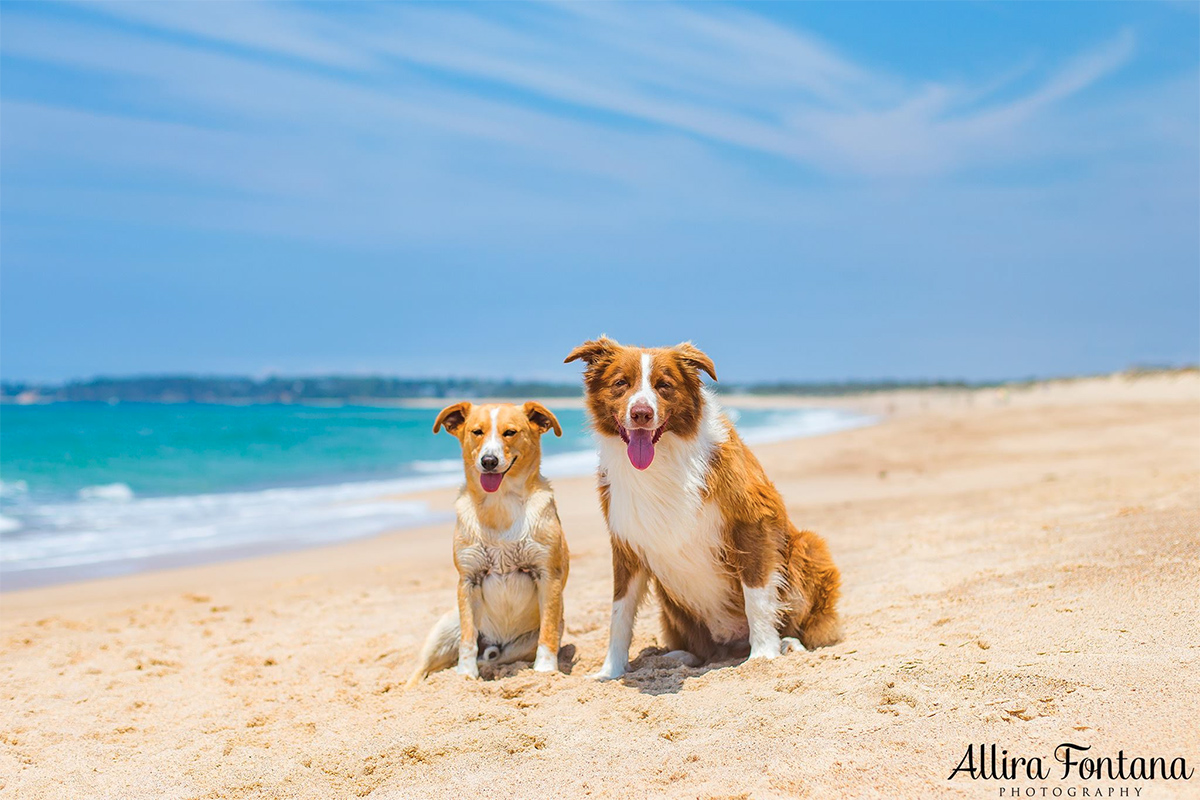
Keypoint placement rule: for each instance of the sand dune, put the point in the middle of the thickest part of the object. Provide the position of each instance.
(1019, 568)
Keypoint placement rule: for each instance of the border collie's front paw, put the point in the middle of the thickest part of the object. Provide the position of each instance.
(607, 673)
(770, 651)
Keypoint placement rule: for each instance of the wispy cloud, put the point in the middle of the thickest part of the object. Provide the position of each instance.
(422, 118)
(724, 76)
(255, 27)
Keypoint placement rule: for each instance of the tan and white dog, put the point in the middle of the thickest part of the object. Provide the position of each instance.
(688, 505)
(509, 548)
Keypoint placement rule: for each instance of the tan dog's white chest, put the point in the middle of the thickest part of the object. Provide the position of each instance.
(662, 515)
(504, 564)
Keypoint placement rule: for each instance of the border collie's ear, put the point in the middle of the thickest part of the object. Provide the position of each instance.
(540, 416)
(696, 358)
(593, 351)
(452, 418)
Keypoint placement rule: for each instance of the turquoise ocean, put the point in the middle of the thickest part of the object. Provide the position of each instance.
(90, 489)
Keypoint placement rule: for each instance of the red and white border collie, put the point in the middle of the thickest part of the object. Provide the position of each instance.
(688, 505)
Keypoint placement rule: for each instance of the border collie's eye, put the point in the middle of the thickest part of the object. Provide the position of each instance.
(663, 386)
(509, 433)
(478, 431)
(620, 383)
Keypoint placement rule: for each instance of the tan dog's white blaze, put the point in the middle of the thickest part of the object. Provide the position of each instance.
(690, 509)
(509, 547)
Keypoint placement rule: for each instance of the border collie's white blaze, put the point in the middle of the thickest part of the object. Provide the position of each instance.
(688, 505)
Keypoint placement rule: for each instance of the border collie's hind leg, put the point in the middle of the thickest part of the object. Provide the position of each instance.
(684, 658)
(790, 644)
(814, 586)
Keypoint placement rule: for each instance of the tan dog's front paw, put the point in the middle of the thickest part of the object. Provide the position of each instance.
(546, 661)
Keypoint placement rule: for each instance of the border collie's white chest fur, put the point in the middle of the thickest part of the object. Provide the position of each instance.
(662, 515)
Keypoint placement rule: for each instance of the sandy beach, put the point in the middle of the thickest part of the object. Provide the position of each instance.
(1020, 567)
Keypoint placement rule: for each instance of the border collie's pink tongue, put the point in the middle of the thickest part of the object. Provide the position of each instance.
(641, 447)
(490, 480)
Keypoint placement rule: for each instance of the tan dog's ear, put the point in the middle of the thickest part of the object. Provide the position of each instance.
(593, 351)
(696, 358)
(452, 418)
(540, 416)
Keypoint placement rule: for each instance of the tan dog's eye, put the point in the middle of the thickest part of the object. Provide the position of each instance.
(478, 431)
(509, 433)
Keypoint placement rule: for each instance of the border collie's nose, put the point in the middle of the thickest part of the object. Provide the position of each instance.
(489, 462)
(641, 415)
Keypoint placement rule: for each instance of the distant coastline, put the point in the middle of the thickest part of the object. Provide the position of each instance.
(241, 390)
(378, 390)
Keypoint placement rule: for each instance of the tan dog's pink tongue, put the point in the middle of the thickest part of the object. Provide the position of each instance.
(490, 481)
(641, 447)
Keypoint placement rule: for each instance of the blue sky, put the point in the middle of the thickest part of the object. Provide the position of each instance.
(808, 191)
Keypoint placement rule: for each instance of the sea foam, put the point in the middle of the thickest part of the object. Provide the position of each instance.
(109, 492)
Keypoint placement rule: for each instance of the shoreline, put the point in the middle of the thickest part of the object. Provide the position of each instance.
(882, 407)
(397, 493)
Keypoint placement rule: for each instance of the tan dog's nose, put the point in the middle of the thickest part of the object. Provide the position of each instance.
(641, 415)
(489, 462)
